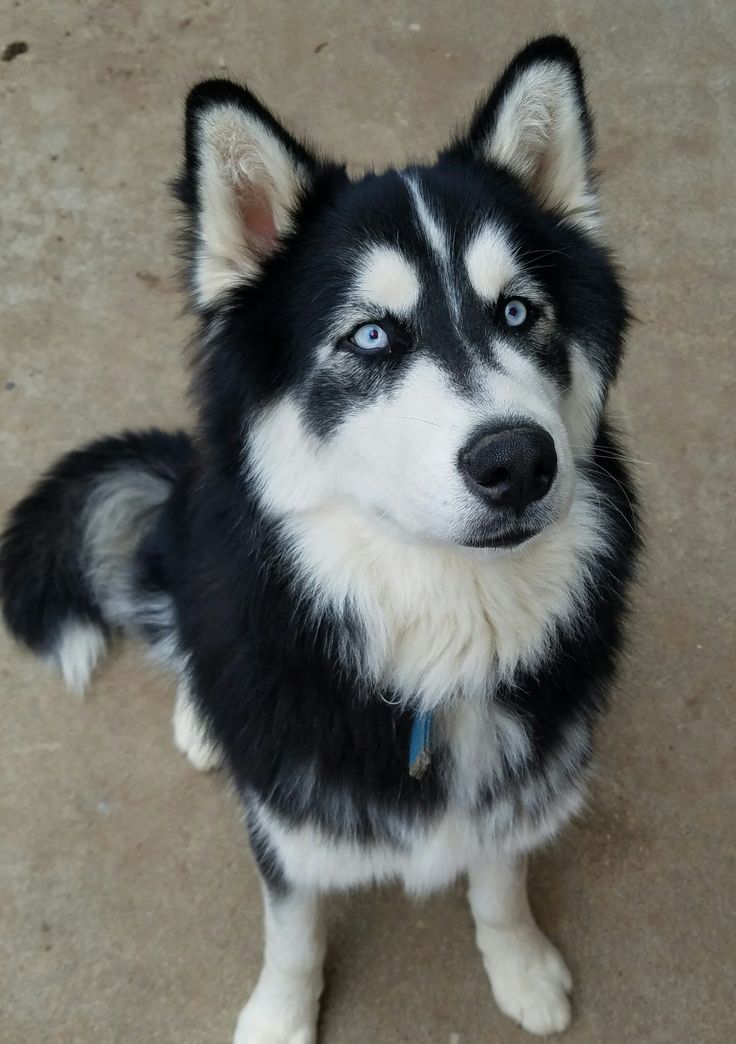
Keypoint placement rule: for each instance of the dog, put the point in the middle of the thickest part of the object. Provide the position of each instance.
(391, 568)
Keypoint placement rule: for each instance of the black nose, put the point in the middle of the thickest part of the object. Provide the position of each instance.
(511, 467)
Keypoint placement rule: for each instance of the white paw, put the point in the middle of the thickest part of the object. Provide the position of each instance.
(191, 736)
(292, 1022)
(529, 978)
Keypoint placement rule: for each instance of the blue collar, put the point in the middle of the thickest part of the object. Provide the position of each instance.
(419, 744)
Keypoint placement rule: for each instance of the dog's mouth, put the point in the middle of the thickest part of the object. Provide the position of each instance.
(504, 541)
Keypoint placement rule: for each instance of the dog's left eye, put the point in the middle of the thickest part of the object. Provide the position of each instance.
(516, 313)
(370, 338)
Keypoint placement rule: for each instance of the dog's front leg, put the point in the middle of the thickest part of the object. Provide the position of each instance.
(529, 978)
(284, 1006)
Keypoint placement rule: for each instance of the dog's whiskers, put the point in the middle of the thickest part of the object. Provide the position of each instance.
(423, 420)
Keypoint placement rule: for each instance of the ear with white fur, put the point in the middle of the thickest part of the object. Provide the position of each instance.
(536, 124)
(243, 179)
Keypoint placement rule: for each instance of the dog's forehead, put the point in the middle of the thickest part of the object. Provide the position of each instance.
(418, 235)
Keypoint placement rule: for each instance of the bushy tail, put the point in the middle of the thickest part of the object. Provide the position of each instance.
(69, 567)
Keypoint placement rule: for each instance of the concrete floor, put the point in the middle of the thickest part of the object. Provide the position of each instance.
(130, 907)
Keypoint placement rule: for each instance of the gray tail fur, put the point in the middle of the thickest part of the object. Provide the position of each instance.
(70, 569)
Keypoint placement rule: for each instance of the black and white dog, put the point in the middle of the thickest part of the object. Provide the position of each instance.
(391, 567)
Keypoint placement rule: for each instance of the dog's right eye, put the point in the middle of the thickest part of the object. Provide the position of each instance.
(370, 338)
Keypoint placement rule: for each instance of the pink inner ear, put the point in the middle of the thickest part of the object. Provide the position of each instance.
(258, 219)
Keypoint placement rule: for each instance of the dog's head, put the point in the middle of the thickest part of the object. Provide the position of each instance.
(434, 344)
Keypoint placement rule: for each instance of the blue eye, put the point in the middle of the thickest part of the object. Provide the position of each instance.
(515, 312)
(370, 338)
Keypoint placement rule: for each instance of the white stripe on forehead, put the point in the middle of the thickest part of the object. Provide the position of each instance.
(435, 234)
(491, 262)
(438, 238)
(388, 281)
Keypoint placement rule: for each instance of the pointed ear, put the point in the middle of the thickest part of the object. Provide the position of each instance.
(536, 124)
(243, 179)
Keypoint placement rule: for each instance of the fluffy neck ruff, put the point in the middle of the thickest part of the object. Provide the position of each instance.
(443, 622)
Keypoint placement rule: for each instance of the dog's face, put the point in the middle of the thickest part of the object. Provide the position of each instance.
(434, 344)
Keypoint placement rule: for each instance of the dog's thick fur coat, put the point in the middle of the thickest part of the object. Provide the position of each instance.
(404, 502)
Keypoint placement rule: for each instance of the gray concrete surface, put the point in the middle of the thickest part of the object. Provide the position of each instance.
(129, 911)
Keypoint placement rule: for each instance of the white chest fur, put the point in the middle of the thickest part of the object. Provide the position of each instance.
(442, 622)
